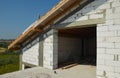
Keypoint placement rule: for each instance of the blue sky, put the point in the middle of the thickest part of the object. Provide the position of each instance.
(17, 15)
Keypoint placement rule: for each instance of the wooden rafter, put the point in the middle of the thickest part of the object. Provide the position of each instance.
(57, 11)
(63, 12)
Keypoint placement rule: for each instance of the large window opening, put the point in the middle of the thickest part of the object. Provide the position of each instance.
(77, 46)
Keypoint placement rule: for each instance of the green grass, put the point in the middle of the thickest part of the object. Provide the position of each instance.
(2, 49)
(9, 62)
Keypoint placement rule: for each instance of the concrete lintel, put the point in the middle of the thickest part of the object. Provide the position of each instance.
(85, 23)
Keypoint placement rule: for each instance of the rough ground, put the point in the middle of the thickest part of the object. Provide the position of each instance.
(2, 49)
(79, 71)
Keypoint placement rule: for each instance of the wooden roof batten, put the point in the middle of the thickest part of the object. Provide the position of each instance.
(57, 11)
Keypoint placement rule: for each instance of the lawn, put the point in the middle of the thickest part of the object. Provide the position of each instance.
(9, 62)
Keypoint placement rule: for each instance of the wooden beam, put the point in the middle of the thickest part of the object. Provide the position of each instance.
(49, 18)
(38, 30)
(29, 37)
(19, 38)
(63, 12)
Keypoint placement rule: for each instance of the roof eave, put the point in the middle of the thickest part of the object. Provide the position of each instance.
(61, 8)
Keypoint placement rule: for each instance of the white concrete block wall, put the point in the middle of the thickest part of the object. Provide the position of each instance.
(50, 50)
(31, 55)
(108, 34)
(108, 42)
(93, 10)
(108, 39)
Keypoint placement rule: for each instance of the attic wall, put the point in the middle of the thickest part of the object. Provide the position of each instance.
(31, 53)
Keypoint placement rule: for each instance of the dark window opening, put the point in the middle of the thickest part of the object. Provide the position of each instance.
(77, 45)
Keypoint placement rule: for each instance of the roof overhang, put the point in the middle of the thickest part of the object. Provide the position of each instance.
(56, 12)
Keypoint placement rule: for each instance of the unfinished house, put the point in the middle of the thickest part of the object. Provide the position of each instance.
(85, 32)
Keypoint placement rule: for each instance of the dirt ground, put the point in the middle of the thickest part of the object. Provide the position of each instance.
(78, 71)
